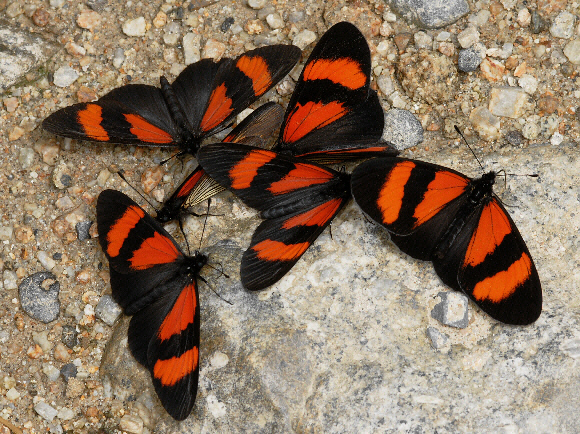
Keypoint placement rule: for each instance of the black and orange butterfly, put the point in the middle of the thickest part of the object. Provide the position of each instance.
(203, 100)
(440, 215)
(254, 130)
(156, 283)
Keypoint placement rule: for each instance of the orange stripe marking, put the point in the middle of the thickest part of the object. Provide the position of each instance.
(90, 119)
(492, 228)
(315, 217)
(256, 69)
(304, 175)
(311, 116)
(145, 131)
(243, 173)
(120, 229)
(443, 189)
(391, 195)
(170, 371)
(155, 250)
(219, 107)
(344, 71)
(181, 315)
(270, 250)
(191, 182)
(503, 284)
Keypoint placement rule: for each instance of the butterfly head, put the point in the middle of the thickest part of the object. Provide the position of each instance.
(193, 265)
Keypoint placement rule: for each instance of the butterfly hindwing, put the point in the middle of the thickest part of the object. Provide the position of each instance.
(440, 215)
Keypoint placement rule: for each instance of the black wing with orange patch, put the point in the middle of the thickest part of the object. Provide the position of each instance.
(297, 199)
(204, 99)
(332, 107)
(155, 282)
(440, 215)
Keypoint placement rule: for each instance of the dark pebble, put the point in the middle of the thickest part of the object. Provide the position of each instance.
(225, 26)
(69, 336)
(66, 180)
(57, 256)
(567, 69)
(68, 371)
(538, 23)
(178, 13)
(442, 311)
(40, 303)
(97, 5)
(82, 229)
(514, 137)
(469, 60)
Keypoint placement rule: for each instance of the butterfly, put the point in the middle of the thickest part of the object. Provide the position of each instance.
(203, 100)
(440, 215)
(254, 130)
(297, 199)
(156, 283)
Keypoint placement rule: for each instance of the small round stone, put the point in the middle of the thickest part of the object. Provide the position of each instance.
(402, 129)
(68, 371)
(82, 229)
(136, 27)
(304, 39)
(469, 60)
(257, 4)
(226, 24)
(514, 137)
(89, 20)
(41, 17)
(69, 336)
(107, 310)
(65, 76)
(39, 296)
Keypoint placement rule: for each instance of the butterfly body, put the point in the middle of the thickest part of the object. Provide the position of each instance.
(438, 214)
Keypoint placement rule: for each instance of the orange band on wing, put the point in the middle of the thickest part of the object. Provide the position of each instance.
(344, 71)
(492, 228)
(188, 186)
(120, 229)
(390, 198)
(90, 119)
(304, 175)
(243, 173)
(503, 284)
(256, 69)
(146, 131)
(181, 315)
(318, 216)
(155, 250)
(270, 250)
(311, 116)
(445, 187)
(170, 371)
(218, 108)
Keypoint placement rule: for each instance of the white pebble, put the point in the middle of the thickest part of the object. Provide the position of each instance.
(45, 411)
(136, 27)
(556, 139)
(45, 260)
(304, 39)
(65, 76)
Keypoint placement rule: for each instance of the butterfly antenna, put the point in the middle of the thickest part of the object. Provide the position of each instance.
(171, 158)
(214, 291)
(205, 221)
(121, 174)
(467, 143)
(184, 236)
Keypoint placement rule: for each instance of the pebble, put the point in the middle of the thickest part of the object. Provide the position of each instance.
(446, 48)
(572, 51)
(227, 24)
(69, 336)
(136, 27)
(65, 76)
(68, 371)
(41, 339)
(431, 14)
(82, 229)
(89, 20)
(11, 104)
(507, 101)
(6, 233)
(556, 139)
(492, 69)
(37, 302)
(131, 423)
(485, 123)
(304, 38)
(16, 133)
(275, 21)
(191, 48)
(45, 260)
(97, 5)
(26, 157)
(9, 279)
(468, 37)
(57, 4)
(538, 24)
(118, 57)
(528, 83)
(12, 394)
(49, 153)
(402, 129)
(14, 9)
(41, 17)
(107, 310)
(64, 203)
(172, 33)
(423, 41)
(438, 339)
(257, 4)
(468, 60)
(254, 27)
(531, 129)
(452, 310)
(563, 25)
(524, 17)
(514, 137)
(66, 413)
(160, 19)
(386, 30)
(86, 94)
(213, 49)
(62, 177)
(480, 18)
(45, 411)
(296, 17)
(263, 13)
(50, 371)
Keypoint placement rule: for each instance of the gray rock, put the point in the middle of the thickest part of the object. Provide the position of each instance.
(51, 372)
(21, 53)
(107, 310)
(430, 14)
(82, 229)
(9, 279)
(402, 129)
(468, 60)
(191, 48)
(97, 5)
(45, 411)
(452, 310)
(563, 25)
(514, 137)
(65, 76)
(41, 304)
(69, 336)
(26, 157)
(304, 39)
(538, 24)
(438, 339)
(507, 101)
(296, 17)
(68, 371)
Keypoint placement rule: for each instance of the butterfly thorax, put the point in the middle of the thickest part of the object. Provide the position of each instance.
(170, 211)
(189, 143)
(192, 265)
(479, 192)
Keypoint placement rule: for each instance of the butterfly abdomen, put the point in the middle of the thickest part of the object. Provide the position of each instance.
(178, 116)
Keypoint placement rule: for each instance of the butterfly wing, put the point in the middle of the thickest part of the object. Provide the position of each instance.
(132, 114)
